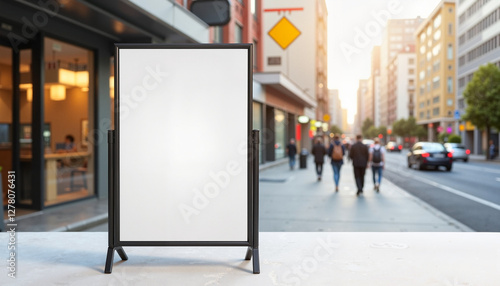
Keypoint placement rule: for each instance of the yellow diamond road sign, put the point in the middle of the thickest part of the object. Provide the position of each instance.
(284, 33)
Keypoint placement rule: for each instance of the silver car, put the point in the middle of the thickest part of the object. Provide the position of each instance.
(459, 151)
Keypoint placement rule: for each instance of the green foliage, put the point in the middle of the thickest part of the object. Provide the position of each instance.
(382, 130)
(408, 128)
(443, 137)
(482, 96)
(367, 124)
(399, 128)
(336, 130)
(454, 138)
(370, 133)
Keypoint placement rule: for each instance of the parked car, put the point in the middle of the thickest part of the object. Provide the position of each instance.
(459, 151)
(368, 142)
(393, 147)
(425, 154)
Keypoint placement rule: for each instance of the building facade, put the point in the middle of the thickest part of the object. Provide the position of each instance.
(295, 45)
(436, 60)
(397, 34)
(478, 34)
(56, 66)
(401, 86)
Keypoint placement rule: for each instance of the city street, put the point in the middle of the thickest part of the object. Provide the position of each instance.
(470, 193)
(294, 201)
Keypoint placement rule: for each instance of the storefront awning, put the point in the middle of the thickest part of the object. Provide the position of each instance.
(283, 84)
(127, 20)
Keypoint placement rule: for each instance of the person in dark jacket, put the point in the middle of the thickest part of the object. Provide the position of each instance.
(319, 152)
(359, 156)
(291, 151)
(336, 162)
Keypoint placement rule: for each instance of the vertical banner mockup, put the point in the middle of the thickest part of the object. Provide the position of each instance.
(183, 166)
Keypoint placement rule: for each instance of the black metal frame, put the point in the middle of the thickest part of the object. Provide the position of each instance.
(114, 241)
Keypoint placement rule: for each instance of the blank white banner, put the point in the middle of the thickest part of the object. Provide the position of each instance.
(183, 130)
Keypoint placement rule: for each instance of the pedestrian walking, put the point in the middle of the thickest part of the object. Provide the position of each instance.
(319, 152)
(291, 151)
(491, 150)
(377, 161)
(336, 152)
(359, 157)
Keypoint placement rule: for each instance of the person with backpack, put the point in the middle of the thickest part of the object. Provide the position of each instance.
(336, 152)
(377, 159)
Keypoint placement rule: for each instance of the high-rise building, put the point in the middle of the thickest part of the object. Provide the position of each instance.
(372, 106)
(478, 34)
(369, 100)
(362, 95)
(335, 109)
(401, 85)
(435, 98)
(345, 122)
(397, 34)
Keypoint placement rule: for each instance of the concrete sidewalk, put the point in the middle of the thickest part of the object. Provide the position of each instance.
(296, 201)
(290, 201)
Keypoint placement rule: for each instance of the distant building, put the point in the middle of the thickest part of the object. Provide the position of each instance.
(478, 34)
(435, 98)
(401, 85)
(372, 101)
(335, 108)
(398, 34)
(369, 100)
(345, 123)
(361, 98)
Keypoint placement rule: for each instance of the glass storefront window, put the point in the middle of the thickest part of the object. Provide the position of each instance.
(26, 188)
(69, 156)
(279, 134)
(6, 91)
(112, 91)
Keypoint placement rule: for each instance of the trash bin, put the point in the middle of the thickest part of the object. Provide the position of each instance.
(303, 159)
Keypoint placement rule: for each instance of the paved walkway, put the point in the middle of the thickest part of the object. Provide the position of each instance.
(296, 201)
(289, 201)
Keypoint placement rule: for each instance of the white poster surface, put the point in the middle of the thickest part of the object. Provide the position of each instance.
(183, 129)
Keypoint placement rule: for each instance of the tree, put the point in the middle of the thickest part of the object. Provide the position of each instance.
(482, 96)
(399, 128)
(367, 124)
(336, 130)
(408, 128)
(454, 138)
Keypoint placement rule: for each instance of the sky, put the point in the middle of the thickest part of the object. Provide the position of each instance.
(354, 27)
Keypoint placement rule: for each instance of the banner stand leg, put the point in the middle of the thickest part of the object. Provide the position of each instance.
(112, 241)
(109, 258)
(253, 251)
(256, 261)
(248, 256)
